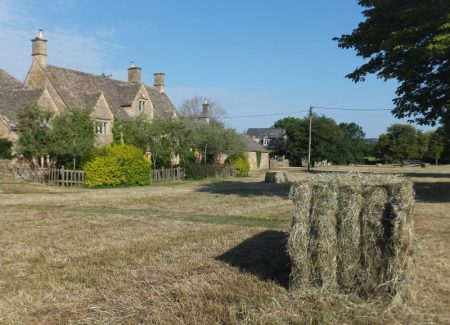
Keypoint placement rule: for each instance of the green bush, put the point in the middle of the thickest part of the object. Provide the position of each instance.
(240, 163)
(118, 165)
(5, 148)
(201, 171)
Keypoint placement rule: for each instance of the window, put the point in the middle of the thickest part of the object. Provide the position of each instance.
(100, 127)
(265, 142)
(141, 105)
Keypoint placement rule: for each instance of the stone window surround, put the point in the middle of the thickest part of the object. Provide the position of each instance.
(101, 127)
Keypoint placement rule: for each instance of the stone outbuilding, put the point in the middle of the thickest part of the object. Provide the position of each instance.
(257, 155)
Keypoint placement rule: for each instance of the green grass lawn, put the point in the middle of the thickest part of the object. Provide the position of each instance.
(196, 252)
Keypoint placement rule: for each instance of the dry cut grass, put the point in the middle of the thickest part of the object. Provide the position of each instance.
(199, 252)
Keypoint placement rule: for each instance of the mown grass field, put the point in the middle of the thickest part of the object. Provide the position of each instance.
(196, 252)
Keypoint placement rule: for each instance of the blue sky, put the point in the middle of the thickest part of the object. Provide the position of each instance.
(252, 57)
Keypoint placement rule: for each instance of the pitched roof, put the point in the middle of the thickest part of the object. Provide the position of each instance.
(161, 102)
(12, 100)
(13, 96)
(275, 133)
(9, 82)
(251, 145)
(76, 88)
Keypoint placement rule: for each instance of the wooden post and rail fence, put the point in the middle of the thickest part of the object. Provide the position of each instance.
(75, 178)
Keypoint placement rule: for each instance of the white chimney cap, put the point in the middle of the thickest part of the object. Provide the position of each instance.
(132, 64)
(205, 102)
(40, 34)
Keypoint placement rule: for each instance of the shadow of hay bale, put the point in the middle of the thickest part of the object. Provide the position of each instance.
(248, 189)
(433, 192)
(263, 255)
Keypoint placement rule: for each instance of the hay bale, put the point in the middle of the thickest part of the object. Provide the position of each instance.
(353, 233)
(350, 202)
(276, 177)
(372, 246)
(322, 235)
(299, 233)
(400, 268)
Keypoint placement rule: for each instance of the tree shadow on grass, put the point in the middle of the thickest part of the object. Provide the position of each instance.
(429, 175)
(264, 255)
(247, 189)
(432, 192)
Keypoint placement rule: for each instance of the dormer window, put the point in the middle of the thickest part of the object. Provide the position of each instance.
(100, 127)
(141, 105)
(265, 142)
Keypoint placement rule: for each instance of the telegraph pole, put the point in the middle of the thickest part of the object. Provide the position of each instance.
(309, 142)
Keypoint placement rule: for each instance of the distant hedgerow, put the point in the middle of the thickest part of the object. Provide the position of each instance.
(118, 165)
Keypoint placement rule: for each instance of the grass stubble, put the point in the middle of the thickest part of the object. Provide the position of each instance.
(149, 255)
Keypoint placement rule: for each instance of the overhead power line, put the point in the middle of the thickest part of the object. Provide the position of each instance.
(353, 109)
(306, 111)
(257, 115)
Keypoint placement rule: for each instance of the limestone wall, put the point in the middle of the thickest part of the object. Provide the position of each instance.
(253, 162)
(5, 170)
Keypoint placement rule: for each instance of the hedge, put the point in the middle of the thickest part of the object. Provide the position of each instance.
(118, 165)
(240, 163)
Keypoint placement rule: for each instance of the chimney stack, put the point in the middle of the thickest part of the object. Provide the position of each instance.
(134, 74)
(39, 49)
(205, 113)
(159, 81)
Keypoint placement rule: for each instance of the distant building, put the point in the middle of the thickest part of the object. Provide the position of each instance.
(60, 89)
(270, 138)
(257, 155)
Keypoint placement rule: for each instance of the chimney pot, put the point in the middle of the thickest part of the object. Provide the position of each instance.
(205, 111)
(159, 81)
(39, 48)
(134, 74)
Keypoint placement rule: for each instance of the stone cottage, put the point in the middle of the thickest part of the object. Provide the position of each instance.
(60, 89)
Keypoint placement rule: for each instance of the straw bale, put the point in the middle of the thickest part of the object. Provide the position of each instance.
(350, 202)
(322, 238)
(371, 240)
(276, 177)
(353, 233)
(298, 238)
(400, 263)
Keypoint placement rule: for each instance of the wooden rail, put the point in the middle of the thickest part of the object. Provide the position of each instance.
(167, 175)
(65, 177)
(52, 176)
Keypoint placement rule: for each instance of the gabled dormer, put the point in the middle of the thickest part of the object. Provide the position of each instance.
(136, 101)
(102, 117)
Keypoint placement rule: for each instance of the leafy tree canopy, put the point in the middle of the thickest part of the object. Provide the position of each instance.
(34, 127)
(343, 143)
(408, 41)
(168, 137)
(401, 142)
(72, 138)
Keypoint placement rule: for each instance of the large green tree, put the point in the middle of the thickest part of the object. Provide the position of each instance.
(72, 138)
(34, 130)
(168, 137)
(399, 143)
(340, 144)
(354, 146)
(435, 146)
(295, 146)
(407, 40)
